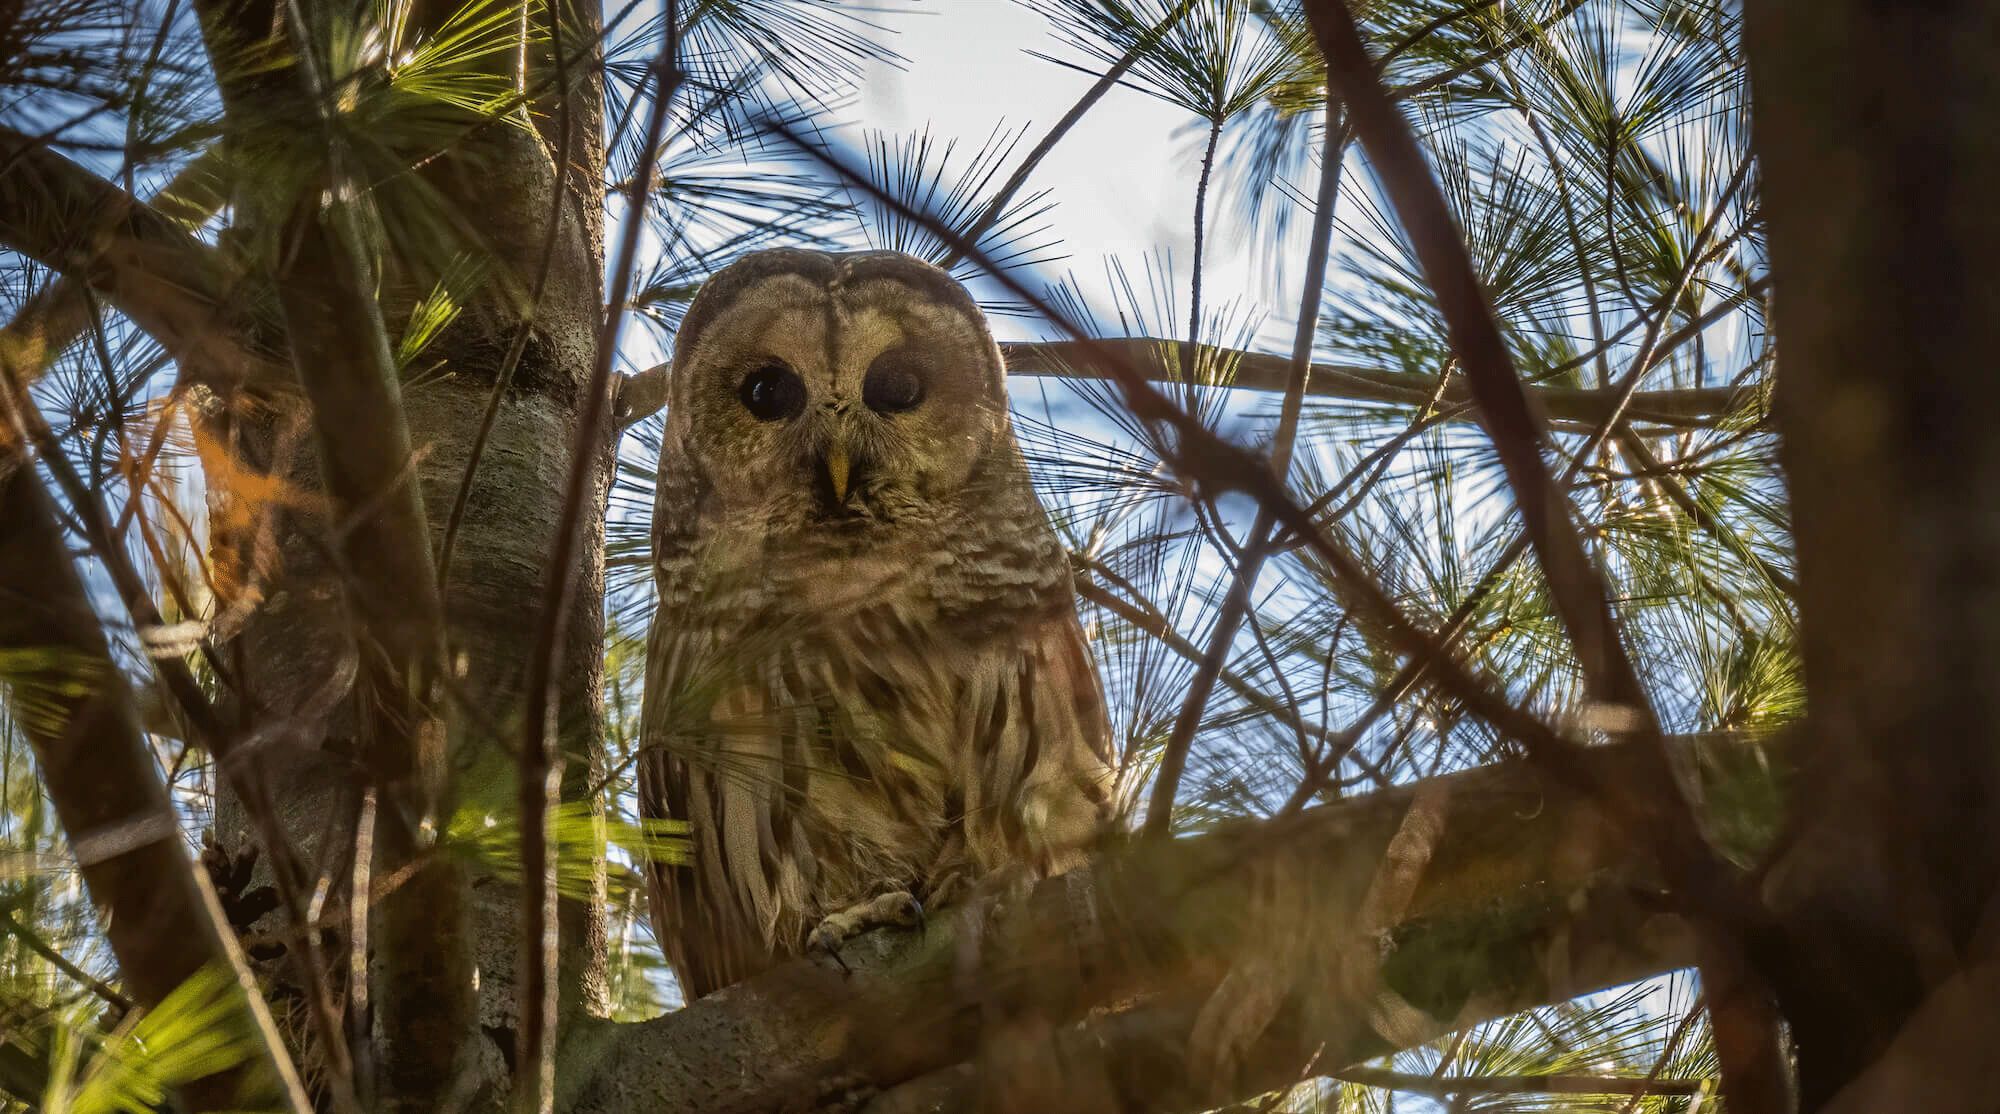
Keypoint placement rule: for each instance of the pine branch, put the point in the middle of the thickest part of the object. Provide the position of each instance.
(1529, 897)
(1444, 1086)
(59, 314)
(1236, 605)
(144, 263)
(71, 700)
(1146, 618)
(644, 393)
(1700, 878)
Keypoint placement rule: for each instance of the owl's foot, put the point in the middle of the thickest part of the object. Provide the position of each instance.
(893, 909)
(844, 1094)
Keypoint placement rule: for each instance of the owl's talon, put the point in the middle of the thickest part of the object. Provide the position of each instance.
(894, 909)
(844, 1095)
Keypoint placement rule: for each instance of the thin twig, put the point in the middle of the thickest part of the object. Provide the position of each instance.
(1445, 1085)
(34, 943)
(534, 1074)
(1190, 347)
(1674, 1039)
(997, 207)
(1519, 39)
(1173, 760)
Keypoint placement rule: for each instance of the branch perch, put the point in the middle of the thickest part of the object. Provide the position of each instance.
(1529, 896)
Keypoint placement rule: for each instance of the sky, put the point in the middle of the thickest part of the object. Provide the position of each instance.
(1123, 178)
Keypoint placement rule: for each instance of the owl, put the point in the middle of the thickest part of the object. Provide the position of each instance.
(867, 687)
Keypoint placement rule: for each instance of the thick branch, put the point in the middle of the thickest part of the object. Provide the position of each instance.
(57, 315)
(1528, 896)
(146, 264)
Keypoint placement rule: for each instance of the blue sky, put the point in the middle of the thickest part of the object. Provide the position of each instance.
(1123, 179)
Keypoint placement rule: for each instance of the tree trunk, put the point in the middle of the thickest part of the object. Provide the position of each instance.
(297, 652)
(1875, 127)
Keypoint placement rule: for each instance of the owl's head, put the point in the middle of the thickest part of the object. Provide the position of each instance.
(813, 390)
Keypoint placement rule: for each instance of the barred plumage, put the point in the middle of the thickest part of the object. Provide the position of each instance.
(866, 673)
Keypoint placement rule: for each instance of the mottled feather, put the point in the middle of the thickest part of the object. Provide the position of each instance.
(847, 698)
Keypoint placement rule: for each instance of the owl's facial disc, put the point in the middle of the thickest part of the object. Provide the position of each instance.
(851, 392)
(868, 429)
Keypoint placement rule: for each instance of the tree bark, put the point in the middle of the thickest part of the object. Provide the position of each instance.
(299, 648)
(1874, 127)
(1525, 895)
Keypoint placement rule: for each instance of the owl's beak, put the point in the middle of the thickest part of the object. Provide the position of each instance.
(836, 472)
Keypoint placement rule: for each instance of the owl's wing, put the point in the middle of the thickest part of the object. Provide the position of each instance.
(1038, 777)
(720, 753)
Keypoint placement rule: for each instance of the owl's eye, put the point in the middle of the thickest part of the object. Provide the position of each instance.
(772, 392)
(893, 384)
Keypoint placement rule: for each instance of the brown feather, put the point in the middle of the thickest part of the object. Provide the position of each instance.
(839, 704)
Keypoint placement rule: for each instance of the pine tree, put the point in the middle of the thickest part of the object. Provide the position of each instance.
(1459, 586)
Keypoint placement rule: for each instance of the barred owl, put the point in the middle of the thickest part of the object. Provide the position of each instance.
(867, 686)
